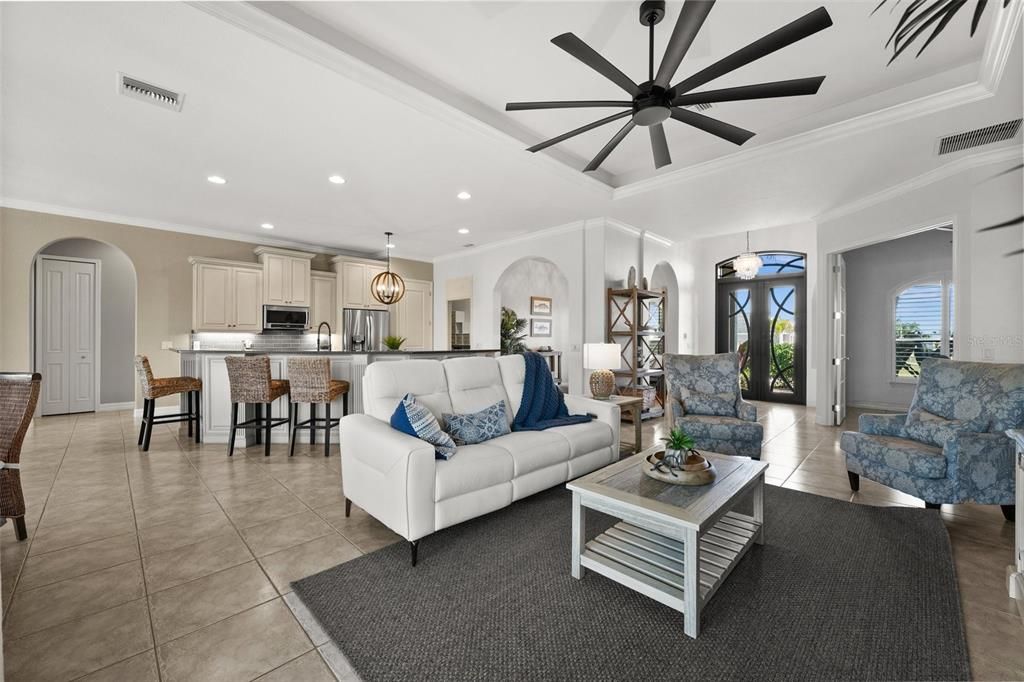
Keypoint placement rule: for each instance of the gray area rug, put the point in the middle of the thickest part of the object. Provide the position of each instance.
(839, 591)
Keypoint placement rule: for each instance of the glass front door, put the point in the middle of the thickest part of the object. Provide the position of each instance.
(764, 321)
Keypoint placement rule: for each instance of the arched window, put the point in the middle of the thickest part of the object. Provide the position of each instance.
(773, 263)
(922, 324)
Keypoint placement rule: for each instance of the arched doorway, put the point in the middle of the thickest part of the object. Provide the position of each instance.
(664, 277)
(764, 319)
(537, 291)
(84, 295)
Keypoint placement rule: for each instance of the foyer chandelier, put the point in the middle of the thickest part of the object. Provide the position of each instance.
(747, 264)
(387, 287)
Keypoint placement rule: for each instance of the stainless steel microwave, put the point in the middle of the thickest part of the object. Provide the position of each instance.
(285, 318)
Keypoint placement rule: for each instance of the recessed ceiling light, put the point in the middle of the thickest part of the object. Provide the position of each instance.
(337, 179)
(464, 195)
(267, 226)
(463, 230)
(217, 180)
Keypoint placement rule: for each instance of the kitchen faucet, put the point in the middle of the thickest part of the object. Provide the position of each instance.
(318, 329)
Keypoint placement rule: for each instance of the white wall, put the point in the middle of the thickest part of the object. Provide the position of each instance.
(708, 252)
(989, 286)
(117, 315)
(873, 274)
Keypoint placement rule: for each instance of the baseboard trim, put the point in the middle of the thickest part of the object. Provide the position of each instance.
(888, 407)
(116, 407)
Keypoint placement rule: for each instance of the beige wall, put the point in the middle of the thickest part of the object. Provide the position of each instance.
(164, 278)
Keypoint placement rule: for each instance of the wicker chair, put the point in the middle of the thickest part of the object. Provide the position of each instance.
(251, 384)
(18, 396)
(311, 383)
(153, 388)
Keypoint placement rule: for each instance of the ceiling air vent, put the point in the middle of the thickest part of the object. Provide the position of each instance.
(703, 106)
(147, 92)
(976, 138)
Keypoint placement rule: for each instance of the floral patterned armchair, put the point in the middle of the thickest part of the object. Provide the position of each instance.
(951, 447)
(704, 399)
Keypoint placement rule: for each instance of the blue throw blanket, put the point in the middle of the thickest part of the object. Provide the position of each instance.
(543, 405)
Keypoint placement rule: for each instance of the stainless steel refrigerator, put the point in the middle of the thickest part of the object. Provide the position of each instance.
(363, 330)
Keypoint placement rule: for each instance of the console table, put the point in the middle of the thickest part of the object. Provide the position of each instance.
(1015, 573)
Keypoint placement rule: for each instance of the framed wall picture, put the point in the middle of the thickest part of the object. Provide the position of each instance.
(540, 305)
(540, 327)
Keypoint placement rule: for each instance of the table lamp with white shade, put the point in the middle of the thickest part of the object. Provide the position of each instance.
(602, 358)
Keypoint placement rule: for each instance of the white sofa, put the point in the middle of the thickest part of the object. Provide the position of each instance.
(396, 478)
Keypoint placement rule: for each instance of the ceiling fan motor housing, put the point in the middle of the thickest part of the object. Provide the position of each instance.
(651, 105)
(652, 12)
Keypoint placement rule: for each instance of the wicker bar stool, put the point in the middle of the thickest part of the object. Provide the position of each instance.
(251, 384)
(311, 383)
(19, 393)
(153, 388)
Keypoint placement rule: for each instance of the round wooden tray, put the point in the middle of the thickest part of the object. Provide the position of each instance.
(702, 476)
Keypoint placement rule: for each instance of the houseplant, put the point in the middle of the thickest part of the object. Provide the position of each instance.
(513, 331)
(677, 445)
(393, 342)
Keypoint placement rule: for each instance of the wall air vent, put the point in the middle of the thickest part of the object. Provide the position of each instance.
(147, 92)
(976, 138)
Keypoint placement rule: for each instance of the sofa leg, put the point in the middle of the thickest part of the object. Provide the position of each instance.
(348, 507)
(854, 481)
(1009, 512)
(414, 545)
(20, 530)
(931, 505)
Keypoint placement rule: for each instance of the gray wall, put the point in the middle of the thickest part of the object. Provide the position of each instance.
(873, 274)
(117, 315)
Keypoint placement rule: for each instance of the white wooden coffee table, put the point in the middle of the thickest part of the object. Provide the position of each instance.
(667, 531)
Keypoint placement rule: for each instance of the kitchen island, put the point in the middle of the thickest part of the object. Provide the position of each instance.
(209, 365)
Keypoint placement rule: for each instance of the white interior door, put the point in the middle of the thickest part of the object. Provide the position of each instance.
(839, 356)
(66, 334)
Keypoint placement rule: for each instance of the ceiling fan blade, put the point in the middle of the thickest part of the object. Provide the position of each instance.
(691, 18)
(807, 25)
(659, 145)
(608, 148)
(589, 56)
(726, 131)
(582, 129)
(523, 106)
(790, 88)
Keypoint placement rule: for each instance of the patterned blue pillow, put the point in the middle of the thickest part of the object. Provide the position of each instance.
(417, 421)
(710, 404)
(470, 429)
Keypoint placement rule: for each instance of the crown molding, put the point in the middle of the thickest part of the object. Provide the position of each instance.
(997, 49)
(948, 170)
(637, 232)
(145, 223)
(336, 51)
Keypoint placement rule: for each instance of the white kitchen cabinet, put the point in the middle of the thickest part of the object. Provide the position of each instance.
(286, 276)
(412, 317)
(354, 277)
(226, 296)
(323, 290)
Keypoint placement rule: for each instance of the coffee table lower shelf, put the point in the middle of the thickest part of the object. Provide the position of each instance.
(653, 564)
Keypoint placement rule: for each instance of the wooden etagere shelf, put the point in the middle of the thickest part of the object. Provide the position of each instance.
(636, 323)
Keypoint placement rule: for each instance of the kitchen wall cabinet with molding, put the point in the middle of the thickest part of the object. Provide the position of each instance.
(412, 317)
(354, 277)
(323, 292)
(226, 295)
(286, 276)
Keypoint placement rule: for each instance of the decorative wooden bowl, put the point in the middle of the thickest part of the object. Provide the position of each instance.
(696, 470)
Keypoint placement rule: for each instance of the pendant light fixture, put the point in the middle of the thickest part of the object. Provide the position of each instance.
(387, 287)
(747, 264)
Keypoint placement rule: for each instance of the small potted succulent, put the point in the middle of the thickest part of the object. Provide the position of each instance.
(394, 342)
(677, 446)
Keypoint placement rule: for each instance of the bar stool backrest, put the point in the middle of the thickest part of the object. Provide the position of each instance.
(310, 379)
(145, 373)
(249, 377)
(19, 393)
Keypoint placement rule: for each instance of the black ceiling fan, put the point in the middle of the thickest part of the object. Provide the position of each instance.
(657, 99)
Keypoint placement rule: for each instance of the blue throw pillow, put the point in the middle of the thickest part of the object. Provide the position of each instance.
(469, 429)
(417, 421)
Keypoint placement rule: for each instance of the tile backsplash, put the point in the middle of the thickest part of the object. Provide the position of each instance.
(256, 342)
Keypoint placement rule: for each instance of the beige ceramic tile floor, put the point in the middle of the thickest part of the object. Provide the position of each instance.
(175, 564)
